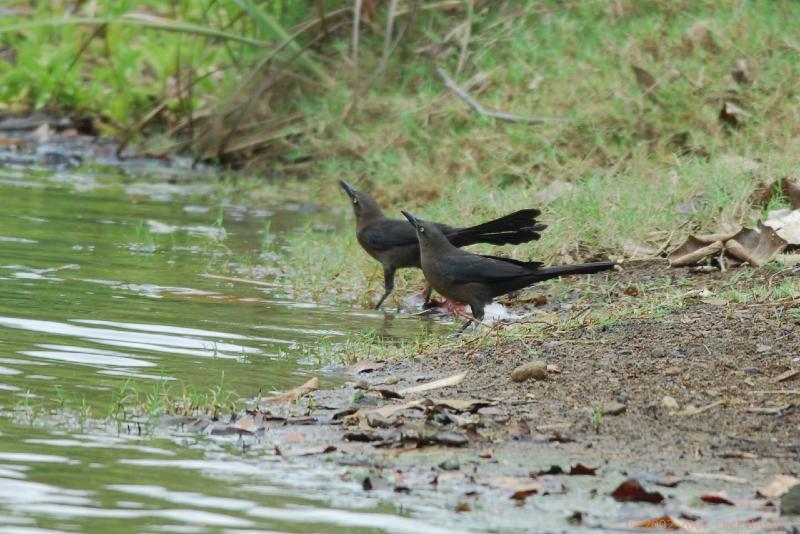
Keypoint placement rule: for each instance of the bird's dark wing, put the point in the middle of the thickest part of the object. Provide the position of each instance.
(528, 264)
(387, 234)
(465, 268)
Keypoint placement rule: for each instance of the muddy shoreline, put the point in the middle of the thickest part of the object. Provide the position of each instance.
(699, 405)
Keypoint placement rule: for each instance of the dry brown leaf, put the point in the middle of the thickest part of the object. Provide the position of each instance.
(791, 190)
(712, 498)
(667, 522)
(767, 191)
(755, 246)
(311, 451)
(436, 384)
(720, 236)
(462, 405)
(632, 491)
(738, 455)
(699, 34)
(520, 487)
(731, 114)
(645, 80)
(692, 251)
(631, 291)
(740, 72)
(669, 481)
(788, 375)
(387, 393)
(244, 425)
(388, 411)
(776, 487)
(786, 224)
(580, 469)
(701, 409)
(293, 394)
(363, 366)
(519, 430)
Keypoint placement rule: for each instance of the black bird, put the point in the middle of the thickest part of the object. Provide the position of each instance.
(475, 279)
(394, 243)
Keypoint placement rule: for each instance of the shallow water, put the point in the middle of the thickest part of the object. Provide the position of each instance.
(102, 292)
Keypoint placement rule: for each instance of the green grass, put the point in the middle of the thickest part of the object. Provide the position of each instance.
(415, 146)
(132, 401)
(636, 159)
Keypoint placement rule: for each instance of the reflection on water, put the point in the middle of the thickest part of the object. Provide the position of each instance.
(104, 284)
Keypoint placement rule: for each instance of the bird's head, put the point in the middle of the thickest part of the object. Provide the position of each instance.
(427, 232)
(364, 206)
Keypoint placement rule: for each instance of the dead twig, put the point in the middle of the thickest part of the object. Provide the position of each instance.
(480, 110)
(356, 25)
(696, 411)
(462, 58)
(387, 37)
(97, 31)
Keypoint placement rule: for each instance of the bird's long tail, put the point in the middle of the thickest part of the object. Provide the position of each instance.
(514, 228)
(545, 273)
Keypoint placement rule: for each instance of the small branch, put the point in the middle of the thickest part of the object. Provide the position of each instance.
(356, 24)
(480, 110)
(462, 58)
(387, 37)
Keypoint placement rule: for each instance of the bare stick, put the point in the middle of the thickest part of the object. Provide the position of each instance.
(479, 109)
(356, 23)
(387, 37)
(462, 58)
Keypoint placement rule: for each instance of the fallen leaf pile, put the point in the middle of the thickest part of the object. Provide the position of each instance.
(749, 245)
(754, 246)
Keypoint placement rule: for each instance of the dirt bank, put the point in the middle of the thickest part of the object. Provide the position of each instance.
(699, 404)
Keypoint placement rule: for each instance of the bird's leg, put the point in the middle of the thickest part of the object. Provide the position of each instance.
(464, 326)
(476, 319)
(388, 284)
(427, 304)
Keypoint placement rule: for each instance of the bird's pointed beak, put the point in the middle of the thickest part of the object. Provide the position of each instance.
(348, 189)
(411, 218)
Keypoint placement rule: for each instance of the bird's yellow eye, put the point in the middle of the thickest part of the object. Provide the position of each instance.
(355, 200)
(421, 229)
